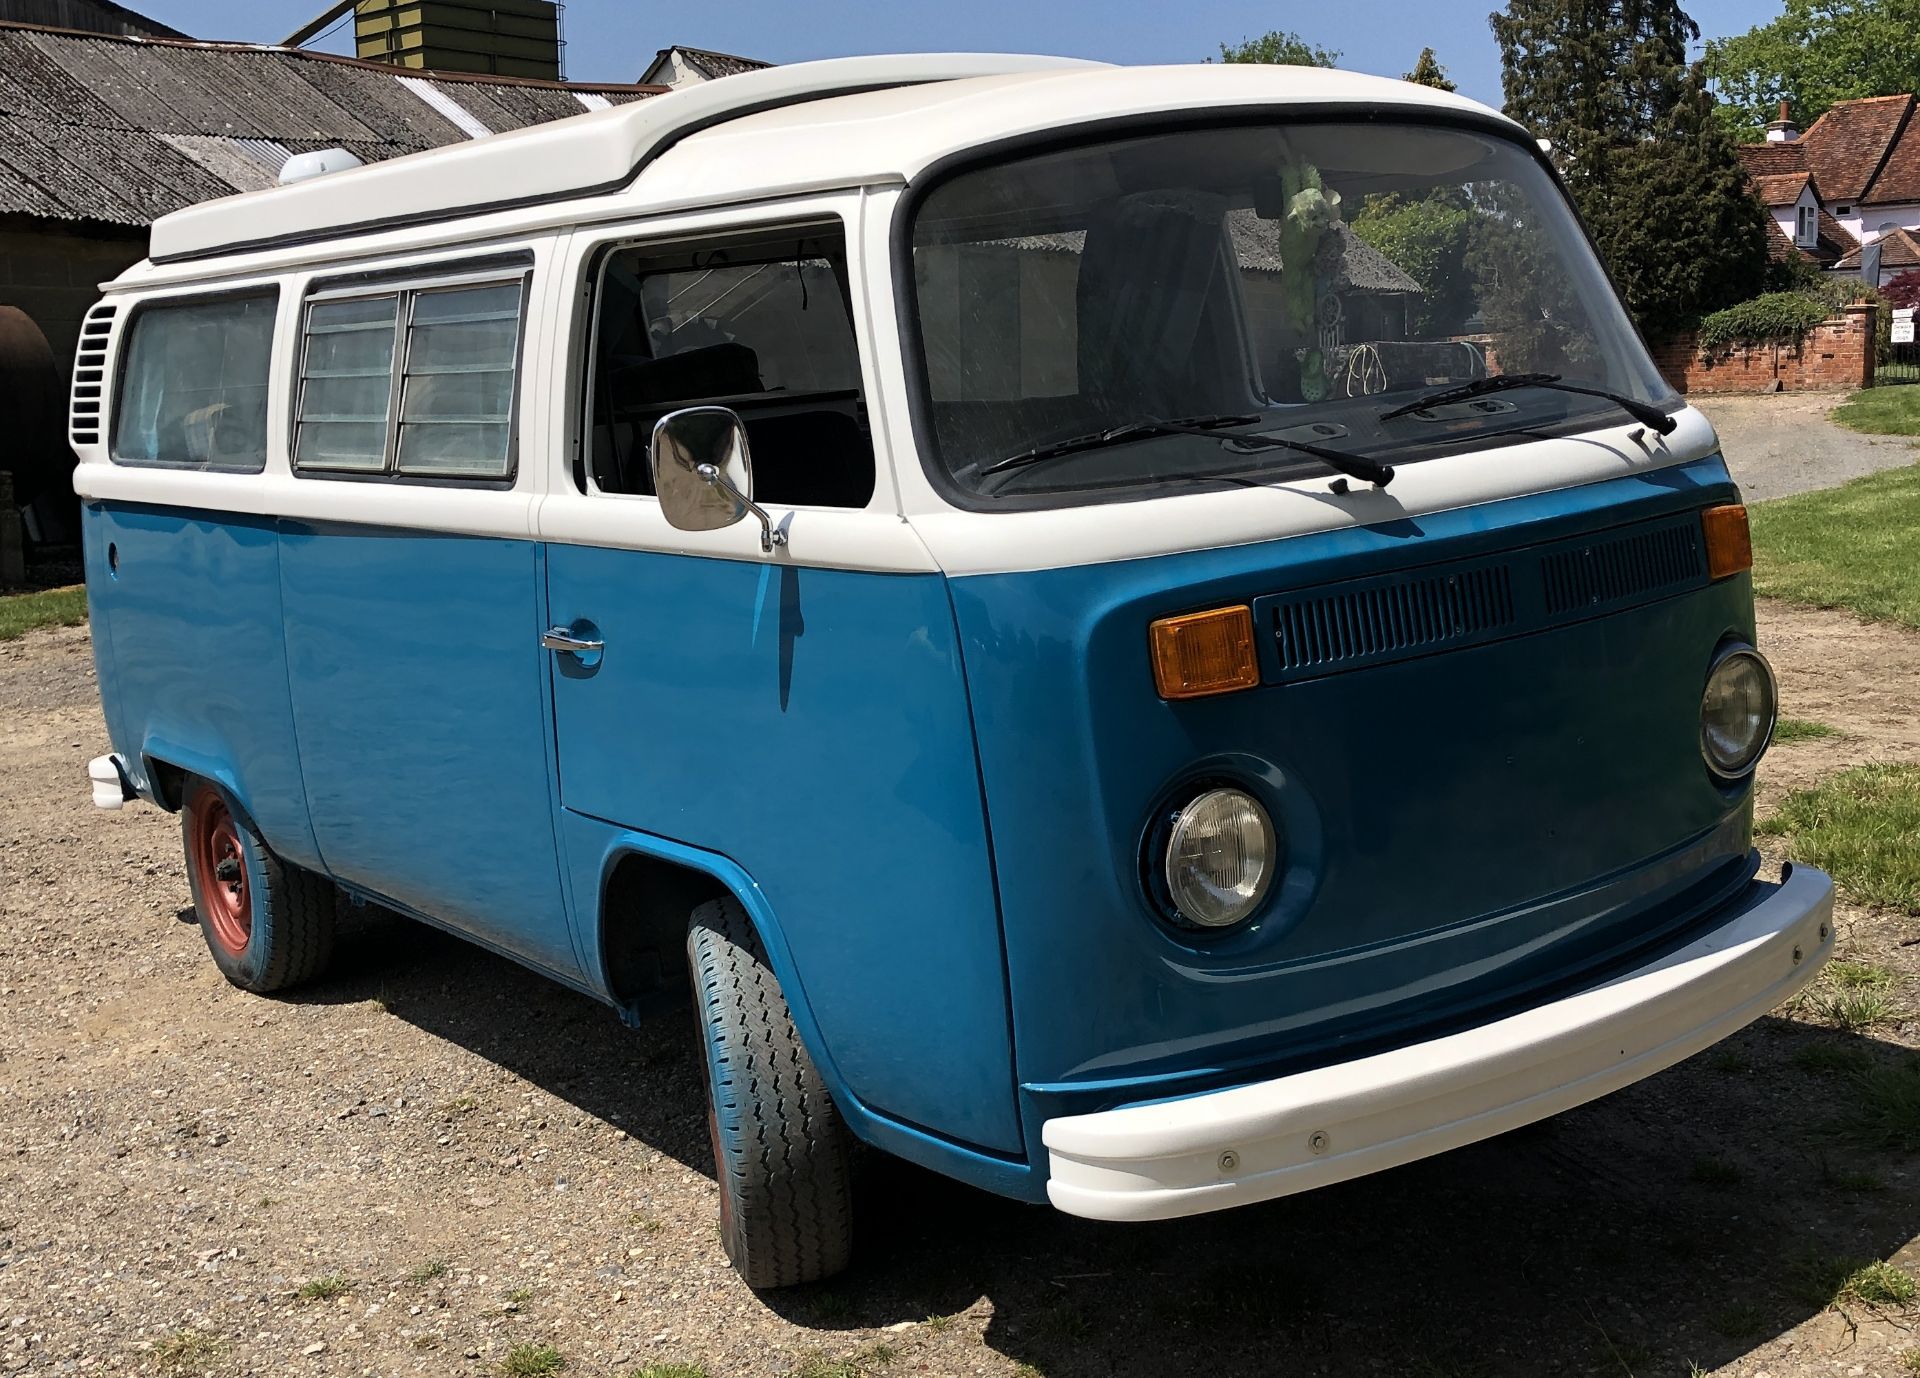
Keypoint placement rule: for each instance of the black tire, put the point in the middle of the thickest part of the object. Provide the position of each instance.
(268, 924)
(782, 1154)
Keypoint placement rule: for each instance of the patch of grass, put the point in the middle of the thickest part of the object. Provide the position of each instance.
(1886, 1109)
(669, 1371)
(1729, 1062)
(1839, 1282)
(1881, 1284)
(1740, 1320)
(324, 1289)
(1828, 1057)
(519, 1296)
(21, 613)
(1863, 827)
(1849, 975)
(879, 1354)
(830, 1306)
(1852, 1010)
(1847, 547)
(1854, 1181)
(1910, 1360)
(1803, 730)
(428, 1271)
(532, 1361)
(187, 1351)
(1715, 1172)
(646, 1224)
(820, 1366)
(939, 1324)
(459, 1105)
(1881, 411)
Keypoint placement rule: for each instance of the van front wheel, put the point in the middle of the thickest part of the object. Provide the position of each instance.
(781, 1152)
(269, 925)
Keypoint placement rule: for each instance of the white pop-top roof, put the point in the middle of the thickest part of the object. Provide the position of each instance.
(809, 126)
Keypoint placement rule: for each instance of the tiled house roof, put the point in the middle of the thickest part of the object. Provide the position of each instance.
(123, 130)
(1899, 249)
(704, 61)
(1862, 152)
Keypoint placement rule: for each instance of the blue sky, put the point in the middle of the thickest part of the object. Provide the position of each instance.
(612, 40)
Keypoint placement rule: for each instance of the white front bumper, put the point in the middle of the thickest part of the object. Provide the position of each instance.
(1273, 1138)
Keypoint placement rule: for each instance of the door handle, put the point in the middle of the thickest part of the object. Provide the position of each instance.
(561, 639)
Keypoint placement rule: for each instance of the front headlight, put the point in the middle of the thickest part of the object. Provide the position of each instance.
(1220, 858)
(1737, 712)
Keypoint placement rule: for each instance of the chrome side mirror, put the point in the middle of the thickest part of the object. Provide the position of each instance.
(703, 473)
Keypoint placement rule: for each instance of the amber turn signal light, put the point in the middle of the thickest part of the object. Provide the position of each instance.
(1204, 653)
(1729, 542)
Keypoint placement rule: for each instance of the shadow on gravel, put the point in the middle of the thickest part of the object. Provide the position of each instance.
(1678, 1223)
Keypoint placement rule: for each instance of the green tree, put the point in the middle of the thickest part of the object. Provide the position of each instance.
(1427, 71)
(1428, 236)
(1279, 46)
(1817, 53)
(1632, 129)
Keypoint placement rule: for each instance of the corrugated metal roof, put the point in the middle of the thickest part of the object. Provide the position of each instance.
(124, 130)
(248, 164)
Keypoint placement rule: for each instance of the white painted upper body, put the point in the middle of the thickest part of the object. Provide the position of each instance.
(557, 192)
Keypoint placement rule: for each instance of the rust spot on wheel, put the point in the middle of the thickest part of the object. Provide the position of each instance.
(220, 866)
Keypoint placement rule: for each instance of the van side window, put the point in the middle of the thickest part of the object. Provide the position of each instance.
(193, 384)
(763, 326)
(439, 405)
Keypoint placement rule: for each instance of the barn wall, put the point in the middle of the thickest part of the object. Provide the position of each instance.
(54, 274)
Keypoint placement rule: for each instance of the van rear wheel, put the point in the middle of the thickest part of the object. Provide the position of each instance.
(269, 925)
(781, 1152)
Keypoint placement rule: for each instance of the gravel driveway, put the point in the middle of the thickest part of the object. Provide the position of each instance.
(474, 1159)
(1781, 443)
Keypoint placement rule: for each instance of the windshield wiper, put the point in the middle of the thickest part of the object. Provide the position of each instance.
(1359, 466)
(1639, 411)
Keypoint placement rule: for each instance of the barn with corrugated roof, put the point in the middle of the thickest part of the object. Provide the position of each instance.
(109, 120)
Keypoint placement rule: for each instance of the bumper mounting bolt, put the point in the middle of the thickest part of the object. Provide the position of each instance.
(1229, 1161)
(1823, 933)
(1317, 1141)
(1796, 956)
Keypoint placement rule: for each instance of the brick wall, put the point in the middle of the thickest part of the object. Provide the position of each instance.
(1836, 356)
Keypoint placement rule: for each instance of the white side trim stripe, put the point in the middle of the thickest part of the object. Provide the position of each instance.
(447, 106)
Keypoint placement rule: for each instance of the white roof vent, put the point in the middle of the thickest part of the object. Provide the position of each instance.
(319, 163)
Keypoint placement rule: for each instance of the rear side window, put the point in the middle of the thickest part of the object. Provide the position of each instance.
(193, 384)
(418, 382)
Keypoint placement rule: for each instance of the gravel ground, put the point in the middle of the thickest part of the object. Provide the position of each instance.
(483, 1159)
(1781, 443)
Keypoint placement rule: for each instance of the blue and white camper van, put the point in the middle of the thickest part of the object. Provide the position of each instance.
(1100, 671)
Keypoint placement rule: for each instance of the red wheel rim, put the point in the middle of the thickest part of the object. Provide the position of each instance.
(220, 865)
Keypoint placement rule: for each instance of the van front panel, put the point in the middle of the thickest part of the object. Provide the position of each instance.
(1457, 828)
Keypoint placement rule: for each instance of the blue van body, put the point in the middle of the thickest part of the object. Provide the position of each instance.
(938, 827)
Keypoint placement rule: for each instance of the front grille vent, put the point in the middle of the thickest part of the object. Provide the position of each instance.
(1597, 574)
(90, 375)
(1389, 619)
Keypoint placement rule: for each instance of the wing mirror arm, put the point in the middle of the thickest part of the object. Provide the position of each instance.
(770, 535)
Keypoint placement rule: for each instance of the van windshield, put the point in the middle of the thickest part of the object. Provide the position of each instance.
(1298, 281)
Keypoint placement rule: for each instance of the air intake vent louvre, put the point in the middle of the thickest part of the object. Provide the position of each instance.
(1391, 619)
(1598, 574)
(90, 375)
